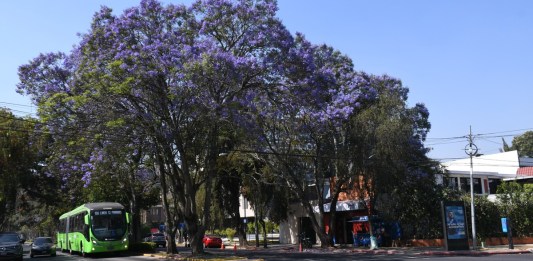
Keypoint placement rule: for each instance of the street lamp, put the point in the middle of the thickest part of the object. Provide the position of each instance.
(471, 149)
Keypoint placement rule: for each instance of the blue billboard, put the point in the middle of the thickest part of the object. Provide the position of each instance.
(455, 225)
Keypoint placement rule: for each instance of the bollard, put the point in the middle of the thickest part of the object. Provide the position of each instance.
(235, 248)
(300, 248)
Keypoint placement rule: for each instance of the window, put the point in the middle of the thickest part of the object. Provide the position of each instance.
(77, 222)
(450, 182)
(465, 185)
(493, 185)
(62, 225)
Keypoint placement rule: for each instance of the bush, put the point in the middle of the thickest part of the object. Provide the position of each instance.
(230, 233)
(144, 247)
(516, 204)
(488, 223)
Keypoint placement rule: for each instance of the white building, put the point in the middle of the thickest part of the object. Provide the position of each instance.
(488, 171)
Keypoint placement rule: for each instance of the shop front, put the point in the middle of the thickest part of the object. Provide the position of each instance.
(351, 221)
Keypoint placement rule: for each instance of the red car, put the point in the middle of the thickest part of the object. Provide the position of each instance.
(211, 241)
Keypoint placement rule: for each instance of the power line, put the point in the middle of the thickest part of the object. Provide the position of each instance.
(16, 104)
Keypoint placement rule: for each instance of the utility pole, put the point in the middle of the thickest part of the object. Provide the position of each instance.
(471, 149)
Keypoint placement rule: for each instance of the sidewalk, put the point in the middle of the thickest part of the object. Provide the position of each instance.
(430, 251)
(290, 248)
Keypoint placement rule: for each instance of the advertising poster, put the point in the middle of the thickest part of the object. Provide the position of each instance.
(455, 222)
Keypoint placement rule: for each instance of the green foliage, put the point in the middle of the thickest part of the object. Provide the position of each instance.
(228, 232)
(516, 203)
(142, 247)
(524, 144)
(19, 154)
(414, 204)
(487, 214)
(270, 226)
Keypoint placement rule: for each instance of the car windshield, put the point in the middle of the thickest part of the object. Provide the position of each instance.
(9, 238)
(43, 240)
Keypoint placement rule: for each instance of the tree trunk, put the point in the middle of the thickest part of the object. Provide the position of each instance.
(256, 222)
(196, 234)
(241, 232)
(265, 233)
(135, 221)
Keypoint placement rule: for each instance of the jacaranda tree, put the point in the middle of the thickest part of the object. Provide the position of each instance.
(177, 75)
(167, 83)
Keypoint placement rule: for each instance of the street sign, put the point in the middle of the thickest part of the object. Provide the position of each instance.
(504, 225)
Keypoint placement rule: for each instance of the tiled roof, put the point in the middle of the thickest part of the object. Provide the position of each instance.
(525, 171)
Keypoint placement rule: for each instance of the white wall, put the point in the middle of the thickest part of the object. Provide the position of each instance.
(502, 164)
(245, 210)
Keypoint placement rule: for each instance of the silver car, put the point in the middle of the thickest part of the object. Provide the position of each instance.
(11, 246)
(42, 246)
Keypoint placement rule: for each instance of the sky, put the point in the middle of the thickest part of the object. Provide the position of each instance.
(469, 62)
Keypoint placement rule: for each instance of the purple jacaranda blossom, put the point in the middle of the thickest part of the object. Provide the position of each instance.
(163, 82)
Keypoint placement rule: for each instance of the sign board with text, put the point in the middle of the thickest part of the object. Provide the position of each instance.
(455, 225)
(504, 225)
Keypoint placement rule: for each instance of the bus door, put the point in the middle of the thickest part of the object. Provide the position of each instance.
(67, 229)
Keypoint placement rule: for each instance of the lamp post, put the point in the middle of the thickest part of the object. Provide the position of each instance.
(471, 149)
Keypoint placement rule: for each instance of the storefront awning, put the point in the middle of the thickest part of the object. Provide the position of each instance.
(358, 219)
(346, 205)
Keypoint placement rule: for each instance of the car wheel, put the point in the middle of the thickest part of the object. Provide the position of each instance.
(31, 255)
(54, 254)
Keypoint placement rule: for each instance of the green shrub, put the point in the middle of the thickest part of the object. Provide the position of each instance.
(145, 247)
(230, 233)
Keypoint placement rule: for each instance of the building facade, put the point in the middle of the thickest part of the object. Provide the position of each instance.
(488, 171)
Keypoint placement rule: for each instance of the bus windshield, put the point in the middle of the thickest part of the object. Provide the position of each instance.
(108, 224)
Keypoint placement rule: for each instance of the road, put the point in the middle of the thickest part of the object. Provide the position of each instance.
(307, 256)
(67, 256)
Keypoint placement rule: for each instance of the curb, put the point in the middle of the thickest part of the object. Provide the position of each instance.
(443, 253)
(473, 253)
(191, 258)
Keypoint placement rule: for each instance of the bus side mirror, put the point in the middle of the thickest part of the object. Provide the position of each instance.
(128, 217)
(86, 219)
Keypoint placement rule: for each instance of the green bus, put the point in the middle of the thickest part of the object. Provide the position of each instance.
(94, 228)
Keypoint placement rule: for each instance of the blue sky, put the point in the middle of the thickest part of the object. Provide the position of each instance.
(469, 62)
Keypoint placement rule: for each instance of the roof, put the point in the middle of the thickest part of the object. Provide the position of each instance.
(502, 164)
(525, 171)
(103, 205)
(92, 206)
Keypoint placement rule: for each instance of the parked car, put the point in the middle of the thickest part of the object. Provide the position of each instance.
(157, 238)
(11, 246)
(42, 246)
(211, 241)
